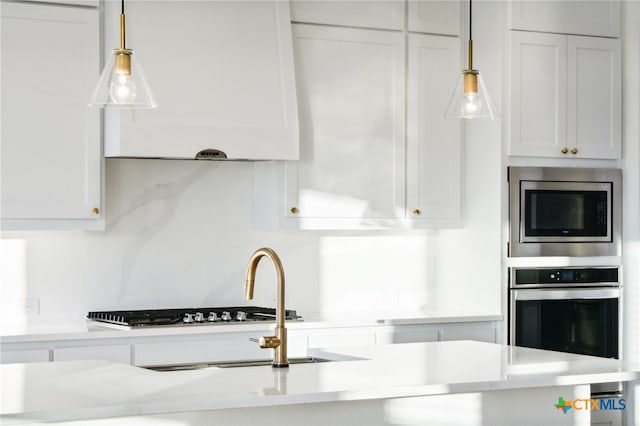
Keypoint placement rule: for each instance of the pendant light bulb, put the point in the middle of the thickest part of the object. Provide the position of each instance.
(122, 89)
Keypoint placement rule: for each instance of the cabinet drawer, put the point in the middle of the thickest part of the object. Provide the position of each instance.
(480, 334)
(116, 353)
(408, 336)
(24, 356)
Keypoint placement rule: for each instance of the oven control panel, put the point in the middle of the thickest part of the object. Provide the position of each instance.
(566, 276)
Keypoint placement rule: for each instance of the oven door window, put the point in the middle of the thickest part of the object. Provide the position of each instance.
(588, 327)
(551, 213)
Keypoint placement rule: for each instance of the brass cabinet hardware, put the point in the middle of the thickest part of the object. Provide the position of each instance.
(416, 212)
(294, 210)
(564, 150)
(95, 211)
(574, 151)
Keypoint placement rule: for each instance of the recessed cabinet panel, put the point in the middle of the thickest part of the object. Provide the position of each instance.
(433, 143)
(436, 17)
(591, 17)
(351, 100)
(50, 153)
(594, 119)
(367, 14)
(222, 75)
(538, 94)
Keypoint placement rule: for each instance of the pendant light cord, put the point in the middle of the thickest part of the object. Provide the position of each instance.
(122, 7)
(470, 17)
(470, 48)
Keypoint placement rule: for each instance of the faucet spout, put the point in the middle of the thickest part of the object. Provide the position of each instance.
(279, 341)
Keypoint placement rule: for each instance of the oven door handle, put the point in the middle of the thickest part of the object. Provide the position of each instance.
(558, 294)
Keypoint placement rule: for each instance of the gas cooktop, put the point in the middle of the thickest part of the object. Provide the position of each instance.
(189, 316)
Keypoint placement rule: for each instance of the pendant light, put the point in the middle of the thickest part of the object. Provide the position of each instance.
(122, 83)
(471, 99)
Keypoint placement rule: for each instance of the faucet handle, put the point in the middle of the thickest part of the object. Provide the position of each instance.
(266, 342)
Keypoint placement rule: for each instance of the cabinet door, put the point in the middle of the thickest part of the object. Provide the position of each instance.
(594, 96)
(434, 16)
(51, 158)
(537, 94)
(591, 17)
(368, 14)
(351, 99)
(222, 74)
(433, 143)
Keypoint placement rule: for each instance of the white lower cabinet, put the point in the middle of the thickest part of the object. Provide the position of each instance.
(24, 355)
(212, 347)
(407, 334)
(51, 163)
(116, 353)
(460, 332)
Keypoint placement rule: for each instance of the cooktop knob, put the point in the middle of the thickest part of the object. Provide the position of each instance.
(188, 318)
(199, 317)
(213, 317)
(226, 316)
(241, 316)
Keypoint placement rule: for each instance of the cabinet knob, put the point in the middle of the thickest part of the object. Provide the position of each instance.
(564, 150)
(416, 212)
(95, 211)
(294, 210)
(574, 151)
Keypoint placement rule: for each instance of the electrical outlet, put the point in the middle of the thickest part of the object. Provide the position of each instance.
(32, 306)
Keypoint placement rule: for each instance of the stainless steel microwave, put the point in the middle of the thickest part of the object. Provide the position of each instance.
(564, 211)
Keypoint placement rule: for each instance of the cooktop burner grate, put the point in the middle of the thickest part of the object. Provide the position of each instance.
(189, 316)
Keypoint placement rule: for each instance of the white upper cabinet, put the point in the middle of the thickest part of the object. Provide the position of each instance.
(590, 17)
(594, 116)
(222, 74)
(375, 150)
(50, 153)
(389, 14)
(433, 143)
(565, 96)
(351, 90)
(434, 16)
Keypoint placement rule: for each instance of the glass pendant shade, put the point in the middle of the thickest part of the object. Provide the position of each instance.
(122, 84)
(471, 99)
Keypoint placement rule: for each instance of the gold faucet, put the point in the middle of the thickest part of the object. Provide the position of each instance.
(278, 342)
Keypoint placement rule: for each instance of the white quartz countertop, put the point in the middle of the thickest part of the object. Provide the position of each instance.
(94, 330)
(64, 391)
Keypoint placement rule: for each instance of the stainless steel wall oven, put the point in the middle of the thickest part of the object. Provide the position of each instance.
(564, 211)
(575, 310)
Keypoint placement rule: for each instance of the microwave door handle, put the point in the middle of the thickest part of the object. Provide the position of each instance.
(612, 293)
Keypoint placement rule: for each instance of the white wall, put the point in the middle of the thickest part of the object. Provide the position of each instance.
(631, 178)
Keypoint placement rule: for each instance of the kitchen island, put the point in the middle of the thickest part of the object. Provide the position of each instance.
(385, 384)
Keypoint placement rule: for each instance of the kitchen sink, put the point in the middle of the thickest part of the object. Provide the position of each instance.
(232, 364)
